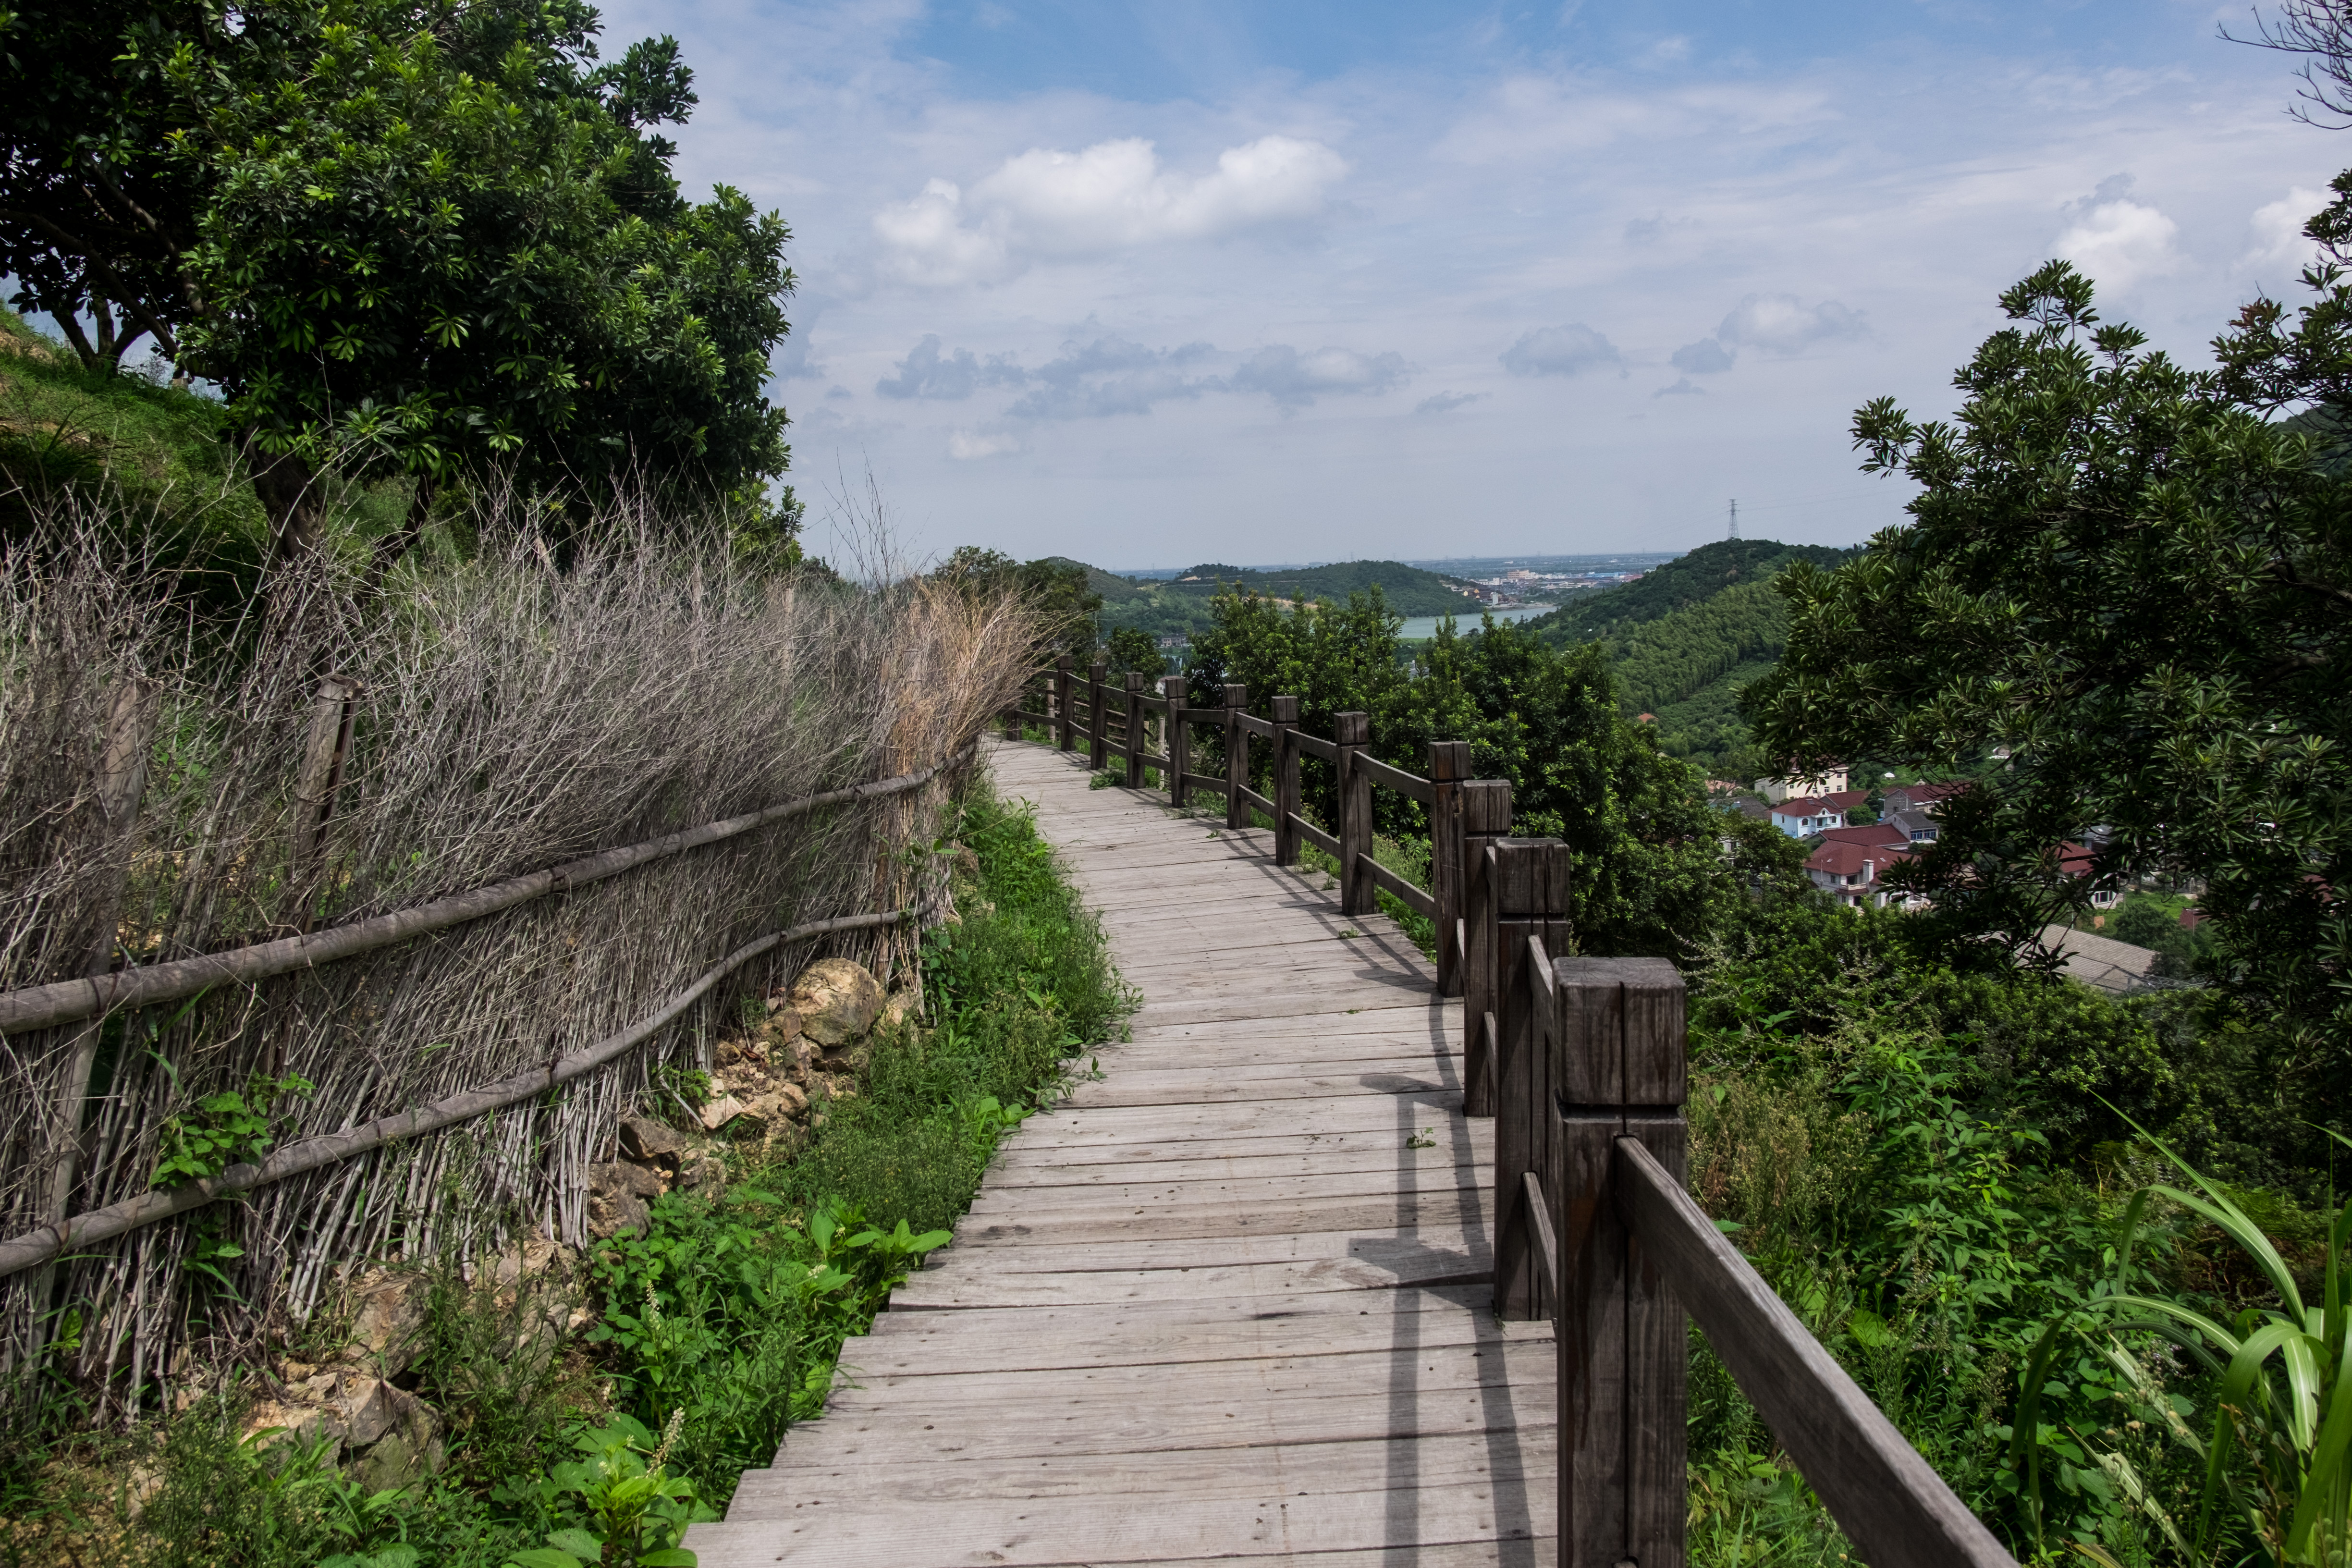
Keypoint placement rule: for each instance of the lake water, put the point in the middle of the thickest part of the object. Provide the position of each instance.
(1421, 628)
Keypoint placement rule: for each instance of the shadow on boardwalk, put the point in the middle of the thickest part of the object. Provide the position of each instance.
(1219, 1305)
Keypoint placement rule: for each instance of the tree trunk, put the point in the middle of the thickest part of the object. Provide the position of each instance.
(402, 540)
(289, 494)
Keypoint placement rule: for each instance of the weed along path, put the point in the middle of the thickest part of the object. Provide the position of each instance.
(1230, 1299)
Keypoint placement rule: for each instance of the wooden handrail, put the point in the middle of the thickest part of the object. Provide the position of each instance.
(1413, 786)
(1316, 746)
(1892, 1505)
(1419, 900)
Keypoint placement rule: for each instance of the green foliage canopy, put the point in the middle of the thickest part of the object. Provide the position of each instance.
(409, 235)
(2121, 573)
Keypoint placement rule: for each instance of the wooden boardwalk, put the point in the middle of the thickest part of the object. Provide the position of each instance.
(1219, 1305)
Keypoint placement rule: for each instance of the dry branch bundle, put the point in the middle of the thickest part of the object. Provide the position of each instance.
(172, 787)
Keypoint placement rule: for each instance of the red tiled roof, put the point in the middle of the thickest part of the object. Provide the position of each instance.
(1843, 857)
(1865, 834)
(1803, 805)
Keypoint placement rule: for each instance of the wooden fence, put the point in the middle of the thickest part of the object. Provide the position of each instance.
(1583, 1064)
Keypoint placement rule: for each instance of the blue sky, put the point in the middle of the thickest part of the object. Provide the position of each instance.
(1166, 283)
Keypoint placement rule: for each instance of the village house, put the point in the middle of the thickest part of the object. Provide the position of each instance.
(1775, 791)
(1849, 862)
(1802, 817)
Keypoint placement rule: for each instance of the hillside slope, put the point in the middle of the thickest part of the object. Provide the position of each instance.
(1678, 584)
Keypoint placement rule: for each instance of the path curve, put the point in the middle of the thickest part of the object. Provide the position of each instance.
(1218, 1305)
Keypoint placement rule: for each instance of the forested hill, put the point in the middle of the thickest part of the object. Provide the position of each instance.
(1685, 638)
(1181, 605)
(1681, 583)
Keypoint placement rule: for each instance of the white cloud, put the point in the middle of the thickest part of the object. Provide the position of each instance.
(928, 244)
(965, 445)
(1296, 380)
(1782, 324)
(1560, 351)
(1706, 357)
(2118, 241)
(1685, 387)
(1446, 402)
(2279, 240)
(1111, 197)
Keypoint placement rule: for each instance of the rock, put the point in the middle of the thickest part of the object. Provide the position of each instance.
(617, 1213)
(730, 1052)
(804, 1054)
(720, 1111)
(705, 1174)
(620, 1176)
(538, 1258)
(387, 1321)
(642, 1138)
(905, 1003)
(385, 1435)
(617, 1198)
(837, 1000)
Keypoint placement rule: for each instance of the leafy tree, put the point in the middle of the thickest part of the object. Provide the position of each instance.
(2120, 574)
(1055, 589)
(412, 236)
(1651, 875)
(1127, 650)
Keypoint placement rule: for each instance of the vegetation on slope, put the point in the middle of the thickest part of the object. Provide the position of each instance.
(1679, 584)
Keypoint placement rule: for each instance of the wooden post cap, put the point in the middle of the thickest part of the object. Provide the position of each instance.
(1449, 761)
(1237, 695)
(1096, 670)
(1176, 687)
(1134, 681)
(1352, 729)
(1062, 662)
(1286, 709)
(1486, 807)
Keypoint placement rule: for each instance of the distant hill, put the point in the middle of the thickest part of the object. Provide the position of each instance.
(1686, 636)
(1181, 606)
(1688, 580)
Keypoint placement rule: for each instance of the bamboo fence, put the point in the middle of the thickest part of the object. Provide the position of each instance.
(223, 840)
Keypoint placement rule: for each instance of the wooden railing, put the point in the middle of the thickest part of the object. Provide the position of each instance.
(1583, 1064)
(1068, 705)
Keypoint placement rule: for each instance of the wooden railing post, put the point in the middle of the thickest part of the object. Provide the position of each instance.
(1618, 1069)
(1527, 878)
(1097, 730)
(1286, 781)
(1134, 745)
(1352, 732)
(1485, 817)
(1236, 758)
(1065, 735)
(1180, 739)
(1449, 766)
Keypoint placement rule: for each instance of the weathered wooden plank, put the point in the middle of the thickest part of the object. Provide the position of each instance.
(1523, 1359)
(1112, 1528)
(1206, 1221)
(957, 1289)
(1371, 1464)
(1190, 1424)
